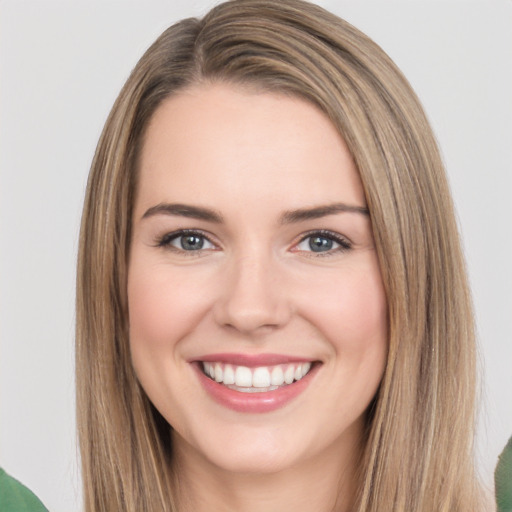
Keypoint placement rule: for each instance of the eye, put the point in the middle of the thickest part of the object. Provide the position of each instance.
(186, 240)
(323, 242)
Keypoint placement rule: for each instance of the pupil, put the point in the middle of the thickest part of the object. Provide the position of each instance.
(319, 244)
(191, 242)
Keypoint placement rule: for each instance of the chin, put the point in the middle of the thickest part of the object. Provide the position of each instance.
(248, 451)
(254, 462)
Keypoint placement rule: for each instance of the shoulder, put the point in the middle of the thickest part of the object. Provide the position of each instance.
(15, 497)
(503, 479)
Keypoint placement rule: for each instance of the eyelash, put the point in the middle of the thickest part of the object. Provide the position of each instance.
(165, 240)
(344, 244)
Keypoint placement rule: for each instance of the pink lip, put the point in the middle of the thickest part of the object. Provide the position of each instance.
(261, 402)
(251, 360)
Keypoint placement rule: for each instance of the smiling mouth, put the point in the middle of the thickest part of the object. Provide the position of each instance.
(255, 380)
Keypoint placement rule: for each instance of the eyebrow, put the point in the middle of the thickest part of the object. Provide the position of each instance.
(184, 210)
(287, 217)
(302, 214)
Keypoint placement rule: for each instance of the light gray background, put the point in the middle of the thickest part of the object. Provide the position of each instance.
(62, 65)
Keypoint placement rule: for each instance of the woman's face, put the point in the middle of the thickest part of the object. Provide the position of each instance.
(258, 319)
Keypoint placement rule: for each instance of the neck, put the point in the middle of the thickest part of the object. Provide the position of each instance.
(324, 483)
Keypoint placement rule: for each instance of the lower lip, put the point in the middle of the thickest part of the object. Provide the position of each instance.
(265, 401)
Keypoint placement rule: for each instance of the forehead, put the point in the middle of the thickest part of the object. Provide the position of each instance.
(214, 143)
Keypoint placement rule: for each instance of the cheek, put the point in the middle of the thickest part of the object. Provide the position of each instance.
(163, 306)
(149, 312)
(353, 319)
(351, 311)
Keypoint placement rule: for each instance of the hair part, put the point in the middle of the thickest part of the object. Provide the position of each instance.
(419, 437)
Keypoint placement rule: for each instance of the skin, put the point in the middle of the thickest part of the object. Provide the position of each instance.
(255, 287)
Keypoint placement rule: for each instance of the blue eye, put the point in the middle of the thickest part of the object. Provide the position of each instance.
(323, 242)
(188, 241)
(320, 243)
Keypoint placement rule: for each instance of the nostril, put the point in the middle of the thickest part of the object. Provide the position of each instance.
(247, 320)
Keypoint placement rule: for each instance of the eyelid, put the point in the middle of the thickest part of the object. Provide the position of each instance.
(164, 241)
(344, 243)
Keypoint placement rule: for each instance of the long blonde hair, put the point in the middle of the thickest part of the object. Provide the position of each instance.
(418, 454)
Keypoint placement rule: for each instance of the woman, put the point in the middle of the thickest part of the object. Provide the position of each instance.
(272, 306)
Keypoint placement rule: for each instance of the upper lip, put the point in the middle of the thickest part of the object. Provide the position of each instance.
(252, 360)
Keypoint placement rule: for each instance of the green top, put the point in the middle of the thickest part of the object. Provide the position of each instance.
(503, 479)
(15, 497)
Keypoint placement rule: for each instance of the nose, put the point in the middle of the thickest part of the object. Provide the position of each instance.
(253, 298)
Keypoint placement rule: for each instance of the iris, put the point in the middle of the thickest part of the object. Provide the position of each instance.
(191, 242)
(320, 244)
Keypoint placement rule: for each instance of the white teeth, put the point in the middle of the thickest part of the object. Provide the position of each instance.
(209, 369)
(229, 374)
(254, 390)
(277, 376)
(289, 374)
(218, 372)
(261, 378)
(252, 380)
(243, 377)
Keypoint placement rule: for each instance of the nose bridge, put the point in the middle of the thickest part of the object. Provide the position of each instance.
(253, 296)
